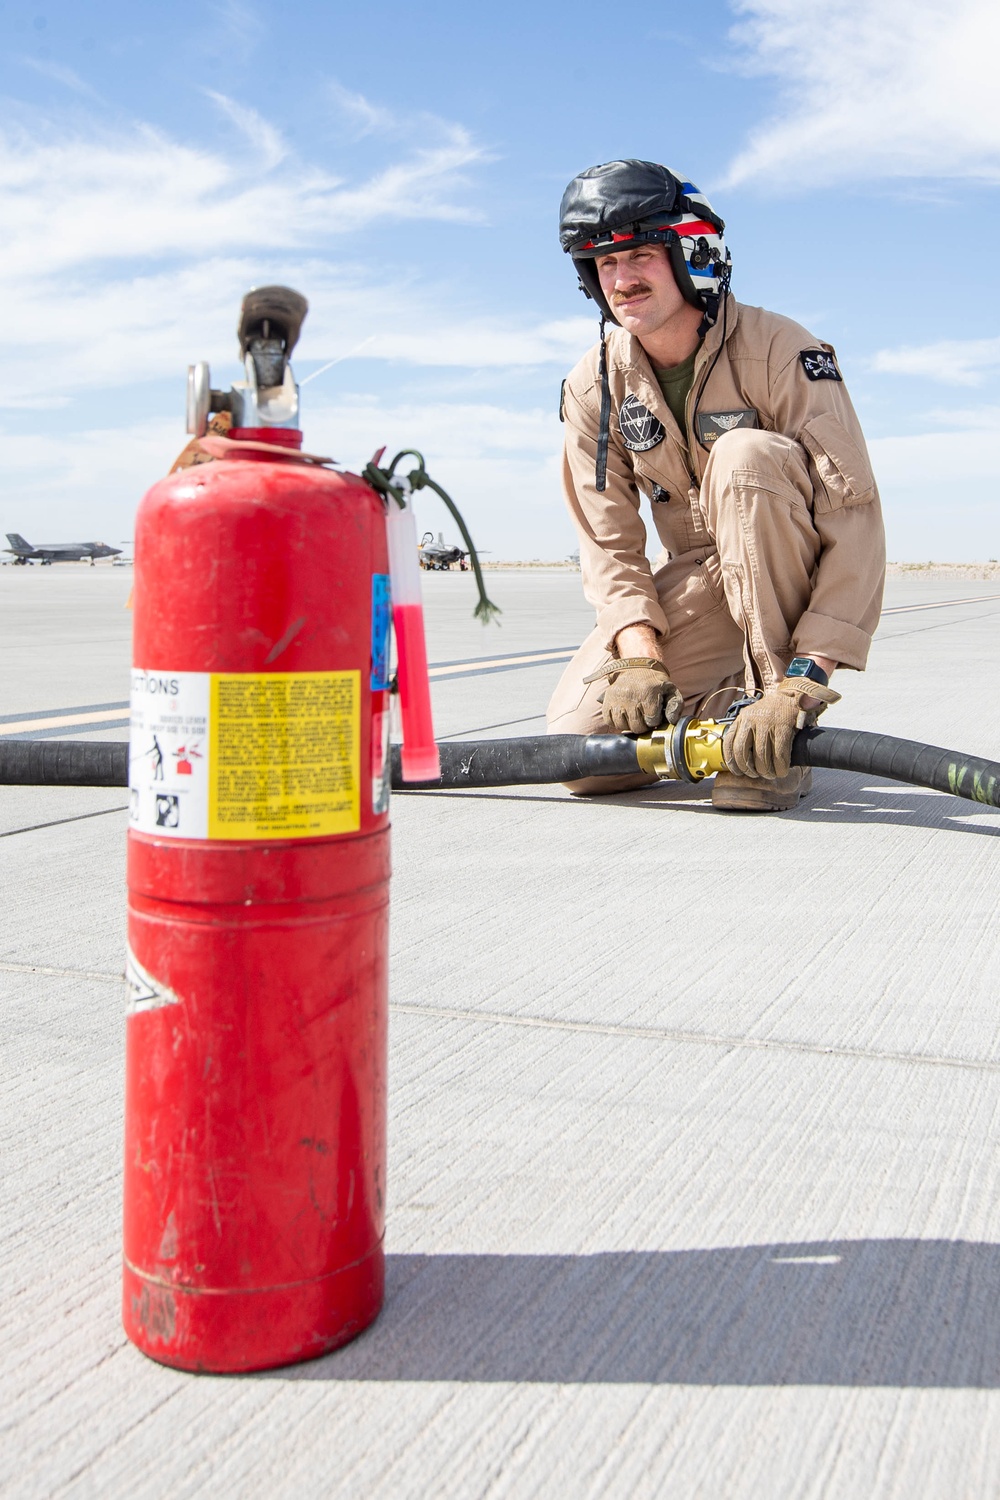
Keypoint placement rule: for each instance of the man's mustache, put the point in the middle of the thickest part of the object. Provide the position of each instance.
(632, 291)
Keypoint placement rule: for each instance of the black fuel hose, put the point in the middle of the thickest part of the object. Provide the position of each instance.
(64, 762)
(530, 761)
(538, 760)
(968, 776)
(568, 757)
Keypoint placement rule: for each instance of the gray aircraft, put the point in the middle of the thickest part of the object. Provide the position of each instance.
(24, 552)
(438, 556)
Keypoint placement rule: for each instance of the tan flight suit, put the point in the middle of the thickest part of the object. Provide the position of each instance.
(772, 534)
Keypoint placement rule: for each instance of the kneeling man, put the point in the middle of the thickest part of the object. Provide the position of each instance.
(736, 425)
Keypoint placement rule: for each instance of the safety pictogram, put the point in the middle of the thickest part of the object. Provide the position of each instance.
(185, 756)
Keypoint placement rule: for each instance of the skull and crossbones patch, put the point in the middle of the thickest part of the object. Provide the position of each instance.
(640, 430)
(820, 364)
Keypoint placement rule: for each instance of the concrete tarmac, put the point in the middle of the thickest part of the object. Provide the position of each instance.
(694, 1151)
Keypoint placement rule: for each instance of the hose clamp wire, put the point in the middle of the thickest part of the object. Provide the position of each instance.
(381, 480)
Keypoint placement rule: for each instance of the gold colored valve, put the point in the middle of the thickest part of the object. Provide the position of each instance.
(703, 747)
(655, 754)
(688, 751)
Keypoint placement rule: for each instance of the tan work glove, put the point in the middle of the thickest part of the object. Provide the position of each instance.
(759, 742)
(639, 695)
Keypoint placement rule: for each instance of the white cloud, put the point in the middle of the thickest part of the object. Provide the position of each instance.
(979, 418)
(76, 334)
(872, 88)
(478, 342)
(364, 117)
(103, 197)
(261, 136)
(59, 74)
(953, 361)
(237, 26)
(451, 431)
(940, 493)
(939, 460)
(124, 255)
(500, 465)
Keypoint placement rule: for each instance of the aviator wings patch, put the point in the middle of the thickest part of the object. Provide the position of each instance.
(712, 424)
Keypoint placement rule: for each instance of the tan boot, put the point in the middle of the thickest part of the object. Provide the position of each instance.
(734, 793)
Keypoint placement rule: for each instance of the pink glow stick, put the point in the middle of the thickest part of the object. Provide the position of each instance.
(421, 761)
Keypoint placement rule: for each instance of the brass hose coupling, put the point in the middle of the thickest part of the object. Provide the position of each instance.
(689, 750)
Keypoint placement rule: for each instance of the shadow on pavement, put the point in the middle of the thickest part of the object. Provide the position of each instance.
(917, 1313)
(838, 797)
(849, 797)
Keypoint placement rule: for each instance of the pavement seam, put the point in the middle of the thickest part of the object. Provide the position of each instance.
(481, 728)
(597, 1028)
(101, 812)
(900, 635)
(9, 968)
(698, 1038)
(906, 609)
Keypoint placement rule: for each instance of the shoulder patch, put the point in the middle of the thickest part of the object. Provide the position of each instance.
(640, 430)
(820, 364)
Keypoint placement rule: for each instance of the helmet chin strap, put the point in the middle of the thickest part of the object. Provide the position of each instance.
(709, 317)
(601, 471)
(722, 343)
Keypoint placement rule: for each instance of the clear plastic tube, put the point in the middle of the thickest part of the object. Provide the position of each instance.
(420, 759)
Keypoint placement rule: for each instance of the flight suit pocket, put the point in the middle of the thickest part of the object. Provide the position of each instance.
(843, 471)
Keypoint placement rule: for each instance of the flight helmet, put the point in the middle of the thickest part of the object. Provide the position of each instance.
(622, 204)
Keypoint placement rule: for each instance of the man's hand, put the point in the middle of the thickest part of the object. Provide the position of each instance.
(759, 743)
(639, 695)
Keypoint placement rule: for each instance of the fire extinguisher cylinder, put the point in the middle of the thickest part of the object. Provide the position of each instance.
(258, 870)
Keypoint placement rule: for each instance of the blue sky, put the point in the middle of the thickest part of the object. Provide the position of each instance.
(402, 165)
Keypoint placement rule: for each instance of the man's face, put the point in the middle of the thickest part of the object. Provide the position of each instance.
(640, 288)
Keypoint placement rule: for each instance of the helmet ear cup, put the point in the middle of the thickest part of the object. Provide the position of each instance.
(682, 276)
(681, 273)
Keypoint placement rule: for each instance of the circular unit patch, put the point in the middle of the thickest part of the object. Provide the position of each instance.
(640, 430)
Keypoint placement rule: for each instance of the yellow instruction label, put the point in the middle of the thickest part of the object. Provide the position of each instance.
(285, 754)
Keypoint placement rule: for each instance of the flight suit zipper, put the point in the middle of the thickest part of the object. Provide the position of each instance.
(694, 491)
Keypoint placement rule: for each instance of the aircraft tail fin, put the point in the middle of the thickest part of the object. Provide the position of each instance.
(18, 544)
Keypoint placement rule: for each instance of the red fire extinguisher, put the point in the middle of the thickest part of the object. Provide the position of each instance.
(258, 887)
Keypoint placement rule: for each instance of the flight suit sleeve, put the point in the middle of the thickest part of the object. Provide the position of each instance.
(847, 593)
(617, 575)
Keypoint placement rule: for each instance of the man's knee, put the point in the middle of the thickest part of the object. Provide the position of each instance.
(753, 449)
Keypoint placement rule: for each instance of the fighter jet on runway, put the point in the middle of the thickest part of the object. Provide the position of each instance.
(24, 552)
(438, 556)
